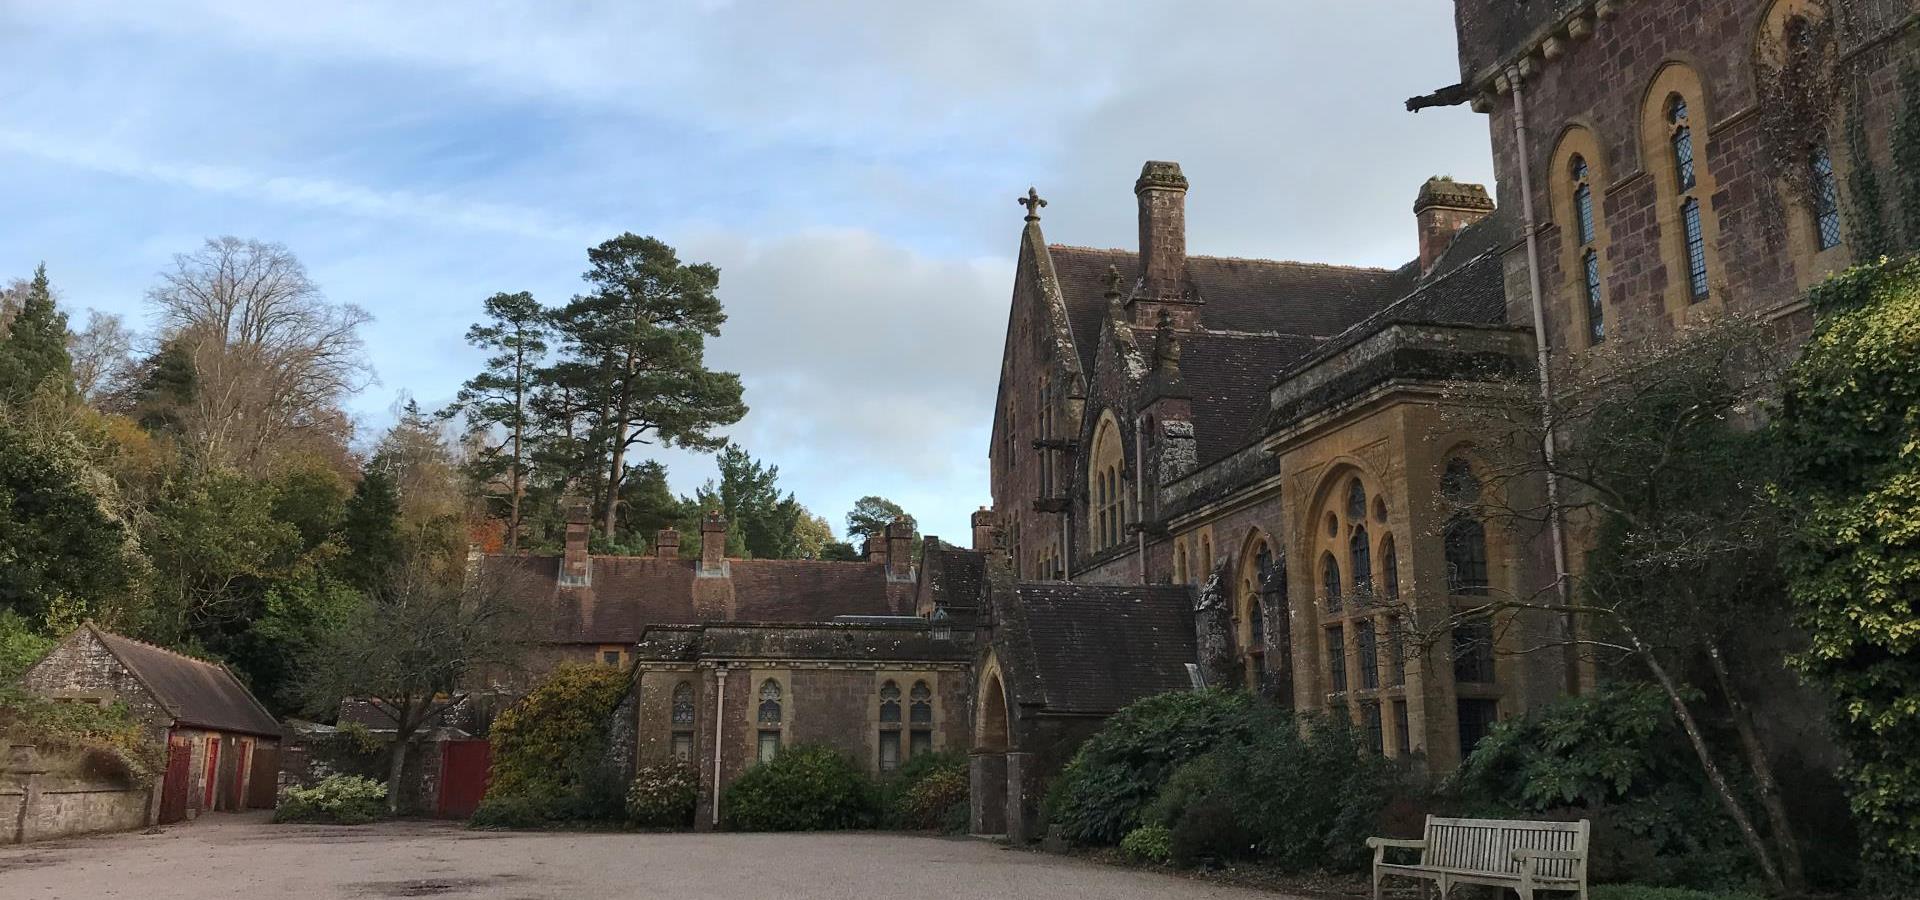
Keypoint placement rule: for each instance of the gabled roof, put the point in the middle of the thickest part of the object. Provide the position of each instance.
(1094, 648)
(195, 692)
(628, 593)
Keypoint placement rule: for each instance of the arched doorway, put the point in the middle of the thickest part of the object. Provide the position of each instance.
(988, 763)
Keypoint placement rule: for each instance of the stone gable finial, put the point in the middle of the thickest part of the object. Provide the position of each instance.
(1113, 282)
(1166, 347)
(1033, 203)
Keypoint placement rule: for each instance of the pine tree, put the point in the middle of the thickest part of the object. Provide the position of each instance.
(498, 401)
(34, 350)
(634, 365)
(371, 530)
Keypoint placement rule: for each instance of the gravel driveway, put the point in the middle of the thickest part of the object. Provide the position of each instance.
(244, 856)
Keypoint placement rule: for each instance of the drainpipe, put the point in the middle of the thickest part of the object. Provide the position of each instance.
(1555, 519)
(1139, 495)
(719, 719)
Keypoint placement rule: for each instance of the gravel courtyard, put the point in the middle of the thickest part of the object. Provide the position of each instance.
(243, 856)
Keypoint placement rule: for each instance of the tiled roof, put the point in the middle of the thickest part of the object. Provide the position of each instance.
(628, 593)
(193, 691)
(1095, 648)
(820, 641)
(960, 576)
(1227, 375)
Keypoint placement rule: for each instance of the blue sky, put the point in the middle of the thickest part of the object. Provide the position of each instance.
(850, 166)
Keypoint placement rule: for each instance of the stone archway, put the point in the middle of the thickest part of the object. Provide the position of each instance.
(988, 763)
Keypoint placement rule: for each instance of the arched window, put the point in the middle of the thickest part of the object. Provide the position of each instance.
(1681, 138)
(1389, 568)
(1587, 236)
(1686, 179)
(1696, 240)
(1360, 558)
(1356, 501)
(1105, 488)
(1330, 581)
(1458, 483)
(1826, 198)
(921, 711)
(770, 713)
(1180, 569)
(1466, 549)
(890, 703)
(683, 704)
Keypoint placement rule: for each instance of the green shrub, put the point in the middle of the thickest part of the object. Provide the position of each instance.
(1644, 892)
(1299, 798)
(1148, 844)
(556, 734)
(103, 741)
(523, 810)
(336, 800)
(803, 788)
(663, 796)
(929, 803)
(1101, 793)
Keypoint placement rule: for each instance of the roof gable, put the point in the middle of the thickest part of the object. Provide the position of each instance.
(193, 691)
(1095, 648)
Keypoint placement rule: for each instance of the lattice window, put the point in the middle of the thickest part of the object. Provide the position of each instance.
(921, 704)
(1477, 717)
(1473, 652)
(1330, 581)
(1337, 658)
(1390, 568)
(1370, 720)
(1582, 200)
(1596, 309)
(1696, 249)
(1826, 199)
(1465, 543)
(1367, 648)
(1682, 137)
(770, 709)
(890, 703)
(1360, 558)
(683, 704)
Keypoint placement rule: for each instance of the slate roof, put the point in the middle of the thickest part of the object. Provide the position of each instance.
(1227, 375)
(837, 641)
(958, 576)
(195, 692)
(628, 593)
(1092, 648)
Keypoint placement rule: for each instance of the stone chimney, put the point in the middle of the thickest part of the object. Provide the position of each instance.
(713, 543)
(1443, 207)
(576, 564)
(1162, 194)
(900, 550)
(876, 549)
(666, 544)
(983, 530)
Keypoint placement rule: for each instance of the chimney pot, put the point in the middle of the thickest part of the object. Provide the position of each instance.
(713, 541)
(666, 544)
(875, 548)
(900, 550)
(576, 563)
(1441, 210)
(1161, 191)
(983, 530)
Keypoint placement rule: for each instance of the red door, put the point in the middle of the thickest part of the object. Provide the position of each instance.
(463, 777)
(173, 791)
(237, 791)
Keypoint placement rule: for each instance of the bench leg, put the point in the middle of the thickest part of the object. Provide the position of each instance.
(1376, 884)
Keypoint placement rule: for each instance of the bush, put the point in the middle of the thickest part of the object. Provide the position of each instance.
(1100, 795)
(1299, 798)
(522, 810)
(1643, 892)
(663, 796)
(336, 800)
(930, 802)
(804, 788)
(556, 735)
(1148, 844)
(103, 741)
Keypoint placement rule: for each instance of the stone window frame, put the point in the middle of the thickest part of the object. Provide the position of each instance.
(1460, 502)
(1579, 178)
(683, 722)
(620, 653)
(1254, 591)
(1182, 570)
(1679, 203)
(1814, 258)
(763, 728)
(1107, 507)
(1359, 607)
(909, 728)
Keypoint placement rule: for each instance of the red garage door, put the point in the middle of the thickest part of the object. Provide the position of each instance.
(173, 791)
(463, 777)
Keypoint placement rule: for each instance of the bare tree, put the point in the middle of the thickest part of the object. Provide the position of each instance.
(272, 358)
(419, 645)
(1666, 474)
(102, 355)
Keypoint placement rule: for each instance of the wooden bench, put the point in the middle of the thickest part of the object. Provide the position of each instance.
(1525, 856)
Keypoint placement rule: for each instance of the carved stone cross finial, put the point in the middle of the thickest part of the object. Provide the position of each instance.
(1033, 203)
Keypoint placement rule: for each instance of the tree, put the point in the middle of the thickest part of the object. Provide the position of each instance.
(633, 358)
(271, 358)
(370, 530)
(1658, 453)
(415, 647)
(497, 402)
(102, 356)
(749, 495)
(34, 350)
(216, 548)
(1853, 475)
(813, 536)
(63, 555)
(649, 502)
(871, 515)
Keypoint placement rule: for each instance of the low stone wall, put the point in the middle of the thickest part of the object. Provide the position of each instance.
(39, 808)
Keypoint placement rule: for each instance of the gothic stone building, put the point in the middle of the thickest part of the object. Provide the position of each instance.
(1269, 432)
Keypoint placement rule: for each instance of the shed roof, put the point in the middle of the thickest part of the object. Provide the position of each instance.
(193, 691)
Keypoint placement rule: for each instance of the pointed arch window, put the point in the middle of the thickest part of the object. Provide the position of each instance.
(890, 703)
(1360, 557)
(770, 707)
(920, 710)
(1356, 501)
(1826, 198)
(1330, 581)
(681, 736)
(1256, 615)
(1682, 142)
(1389, 568)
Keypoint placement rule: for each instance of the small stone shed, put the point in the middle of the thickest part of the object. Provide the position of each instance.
(218, 735)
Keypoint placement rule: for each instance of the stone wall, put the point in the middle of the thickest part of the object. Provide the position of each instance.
(82, 668)
(41, 807)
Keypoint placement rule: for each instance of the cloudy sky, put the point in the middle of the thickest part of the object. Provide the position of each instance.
(850, 166)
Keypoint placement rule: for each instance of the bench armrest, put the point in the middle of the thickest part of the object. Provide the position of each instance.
(1524, 854)
(1379, 842)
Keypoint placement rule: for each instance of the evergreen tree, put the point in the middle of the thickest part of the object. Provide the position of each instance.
(34, 350)
(649, 503)
(61, 553)
(633, 366)
(750, 496)
(371, 529)
(497, 402)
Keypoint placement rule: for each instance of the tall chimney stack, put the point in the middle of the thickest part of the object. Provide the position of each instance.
(876, 548)
(1441, 210)
(713, 541)
(900, 550)
(983, 530)
(1162, 194)
(666, 544)
(576, 564)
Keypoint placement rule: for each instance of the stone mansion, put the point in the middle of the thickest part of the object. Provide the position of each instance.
(1210, 469)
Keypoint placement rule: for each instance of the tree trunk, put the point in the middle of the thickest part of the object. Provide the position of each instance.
(396, 766)
(1762, 772)
(1748, 832)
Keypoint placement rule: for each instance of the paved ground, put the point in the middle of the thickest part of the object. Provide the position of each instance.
(244, 856)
